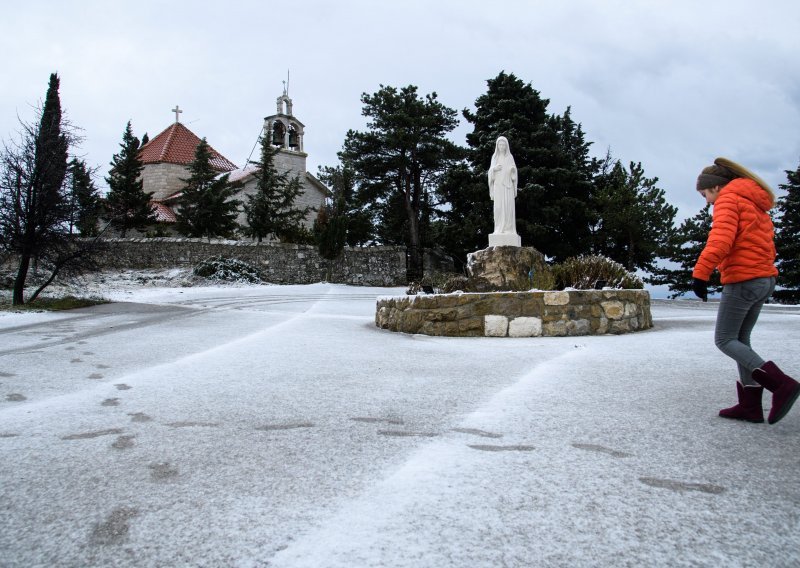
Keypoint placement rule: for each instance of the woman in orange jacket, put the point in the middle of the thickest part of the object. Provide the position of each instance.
(741, 245)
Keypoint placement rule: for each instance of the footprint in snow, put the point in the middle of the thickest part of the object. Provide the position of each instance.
(602, 450)
(493, 448)
(476, 432)
(681, 486)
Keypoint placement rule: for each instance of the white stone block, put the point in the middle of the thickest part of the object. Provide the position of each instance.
(495, 326)
(504, 240)
(525, 327)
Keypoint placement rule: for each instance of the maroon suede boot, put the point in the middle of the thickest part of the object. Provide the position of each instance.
(749, 407)
(784, 389)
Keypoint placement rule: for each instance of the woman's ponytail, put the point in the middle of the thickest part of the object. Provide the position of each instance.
(740, 171)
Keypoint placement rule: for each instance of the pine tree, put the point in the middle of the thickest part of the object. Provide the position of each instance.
(271, 211)
(340, 222)
(398, 163)
(572, 173)
(787, 232)
(635, 221)
(683, 249)
(34, 210)
(554, 170)
(207, 208)
(84, 199)
(127, 203)
(330, 230)
(340, 180)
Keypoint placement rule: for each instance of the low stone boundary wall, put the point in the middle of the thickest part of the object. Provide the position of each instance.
(279, 263)
(517, 314)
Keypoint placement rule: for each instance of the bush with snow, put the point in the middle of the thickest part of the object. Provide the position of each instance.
(220, 269)
(586, 272)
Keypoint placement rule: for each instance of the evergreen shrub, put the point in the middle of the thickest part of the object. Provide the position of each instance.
(543, 279)
(455, 283)
(587, 272)
(220, 269)
(439, 283)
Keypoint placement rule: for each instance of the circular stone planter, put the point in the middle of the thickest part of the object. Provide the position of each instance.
(517, 314)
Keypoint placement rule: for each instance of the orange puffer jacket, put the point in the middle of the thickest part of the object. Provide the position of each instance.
(741, 239)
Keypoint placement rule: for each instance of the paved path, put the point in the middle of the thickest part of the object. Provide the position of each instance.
(277, 426)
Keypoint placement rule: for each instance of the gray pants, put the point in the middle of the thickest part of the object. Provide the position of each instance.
(738, 312)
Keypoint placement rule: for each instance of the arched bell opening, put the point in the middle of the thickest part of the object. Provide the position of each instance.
(294, 138)
(278, 134)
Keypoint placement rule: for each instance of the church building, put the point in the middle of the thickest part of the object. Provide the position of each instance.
(166, 158)
(286, 133)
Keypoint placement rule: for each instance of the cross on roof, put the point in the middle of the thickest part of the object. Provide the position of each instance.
(177, 111)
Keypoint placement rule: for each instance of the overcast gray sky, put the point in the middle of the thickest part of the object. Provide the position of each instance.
(671, 84)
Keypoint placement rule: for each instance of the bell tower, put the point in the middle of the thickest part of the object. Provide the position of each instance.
(284, 130)
(285, 133)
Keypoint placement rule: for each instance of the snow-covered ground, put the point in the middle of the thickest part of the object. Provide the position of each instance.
(277, 426)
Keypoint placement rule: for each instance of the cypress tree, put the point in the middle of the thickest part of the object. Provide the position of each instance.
(34, 205)
(127, 203)
(52, 148)
(207, 208)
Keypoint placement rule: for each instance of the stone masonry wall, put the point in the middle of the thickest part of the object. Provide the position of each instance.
(165, 178)
(517, 314)
(293, 163)
(279, 263)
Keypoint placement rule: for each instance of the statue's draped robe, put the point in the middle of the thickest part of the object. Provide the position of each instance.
(503, 191)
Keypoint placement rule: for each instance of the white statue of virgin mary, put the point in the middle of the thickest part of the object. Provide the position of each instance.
(503, 191)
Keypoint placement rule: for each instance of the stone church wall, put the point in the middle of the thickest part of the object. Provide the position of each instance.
(311, 197)
(290, 162)
(279, 263)
(165, 177)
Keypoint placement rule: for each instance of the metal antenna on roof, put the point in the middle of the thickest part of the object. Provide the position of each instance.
(287, 83)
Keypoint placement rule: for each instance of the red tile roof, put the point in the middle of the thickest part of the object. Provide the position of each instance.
(162, 212)
(176, 145)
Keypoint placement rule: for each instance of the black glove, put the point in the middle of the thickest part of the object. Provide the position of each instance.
(700, 288)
